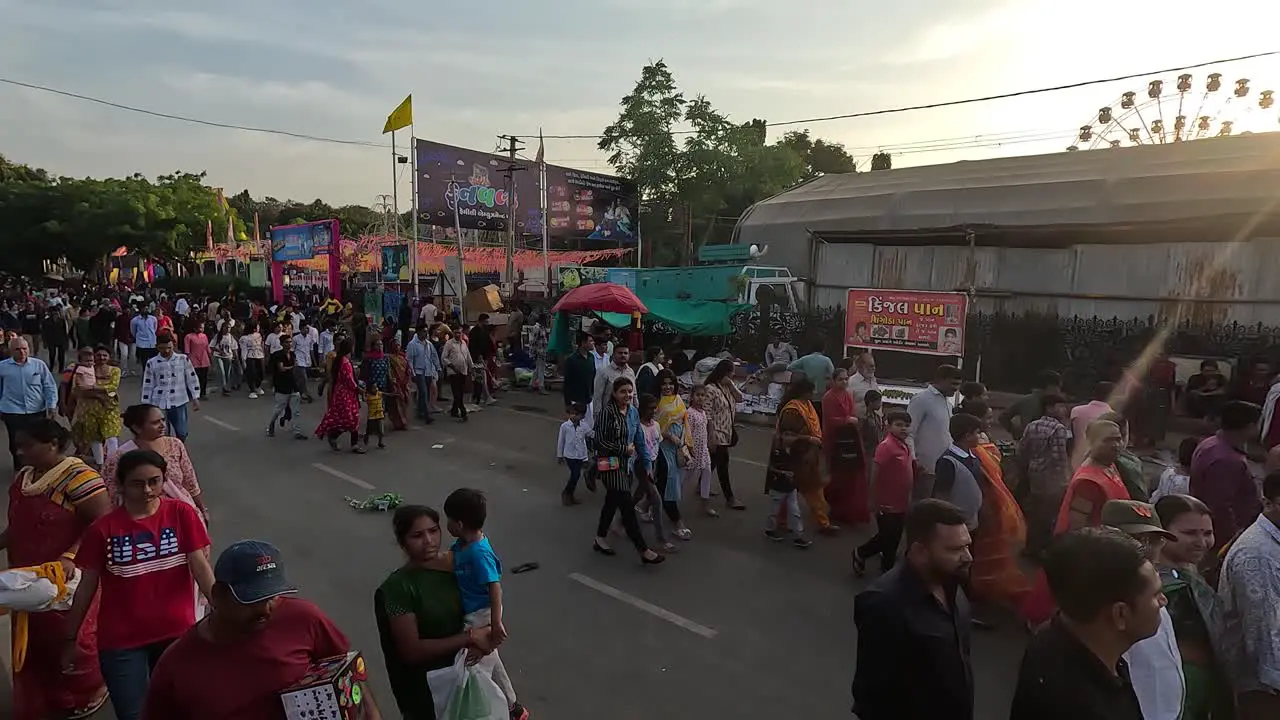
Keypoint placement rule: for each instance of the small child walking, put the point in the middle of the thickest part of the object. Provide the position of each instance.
(1176, 479)
(779, 482)
(571, 450)
(479, 574)
(698, 468)
(645, 465)
(373, 424)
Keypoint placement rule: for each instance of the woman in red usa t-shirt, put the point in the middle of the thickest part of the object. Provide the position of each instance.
(144, 555)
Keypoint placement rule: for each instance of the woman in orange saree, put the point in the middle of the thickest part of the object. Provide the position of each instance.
(399, 383)
(51, 502)
(800, 418)
(1002, 530)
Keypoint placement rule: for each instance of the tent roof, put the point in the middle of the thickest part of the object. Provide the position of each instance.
(1148, 184)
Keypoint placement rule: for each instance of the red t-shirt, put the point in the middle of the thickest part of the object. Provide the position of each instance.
(895, 475)
(148, 593)
(198, 679)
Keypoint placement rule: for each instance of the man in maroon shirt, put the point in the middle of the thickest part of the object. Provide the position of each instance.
(1220, 475)
(256, 642)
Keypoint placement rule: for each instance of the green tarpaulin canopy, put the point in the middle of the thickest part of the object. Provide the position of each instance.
(692, 317)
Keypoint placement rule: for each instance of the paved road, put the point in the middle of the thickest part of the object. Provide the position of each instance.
(733, 626)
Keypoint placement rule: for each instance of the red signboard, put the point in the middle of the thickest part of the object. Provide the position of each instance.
(930, 323)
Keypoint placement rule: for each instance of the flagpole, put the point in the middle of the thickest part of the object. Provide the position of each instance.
(546, 220)
(413, 189)
(395, 196)
(461, 280)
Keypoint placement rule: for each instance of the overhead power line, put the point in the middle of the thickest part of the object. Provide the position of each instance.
(951, 103)
(184, 118)
(786, 123)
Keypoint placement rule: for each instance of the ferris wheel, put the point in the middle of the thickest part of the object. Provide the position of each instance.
(1161, 116)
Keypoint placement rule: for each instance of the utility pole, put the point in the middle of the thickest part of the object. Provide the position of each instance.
(512, 146)
(386, 205)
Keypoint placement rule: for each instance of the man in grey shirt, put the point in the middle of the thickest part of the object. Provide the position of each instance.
(607, 374)
(930, 436)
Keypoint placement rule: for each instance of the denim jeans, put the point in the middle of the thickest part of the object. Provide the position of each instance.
(127, 674)
(224, 372)
(792, 501)
(291, 402)
(176, 417)
(423, 383)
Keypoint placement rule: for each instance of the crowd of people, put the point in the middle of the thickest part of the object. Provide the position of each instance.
(1148, 599)
(129, 522)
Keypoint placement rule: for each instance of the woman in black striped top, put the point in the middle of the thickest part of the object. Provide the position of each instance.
(615, 447)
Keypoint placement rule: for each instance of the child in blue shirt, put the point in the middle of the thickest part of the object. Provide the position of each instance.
(479, 574)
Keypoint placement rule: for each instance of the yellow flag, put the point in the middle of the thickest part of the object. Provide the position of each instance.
(401, 117)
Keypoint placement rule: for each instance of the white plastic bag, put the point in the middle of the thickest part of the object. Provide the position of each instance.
(22, 590)
(446, 681)
(477, 697)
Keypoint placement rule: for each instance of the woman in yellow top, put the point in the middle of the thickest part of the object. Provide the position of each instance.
(96, 421)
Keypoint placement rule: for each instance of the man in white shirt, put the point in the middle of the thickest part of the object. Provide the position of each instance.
(295, 319)
(779, 351)
(427, 315)
(930, 436)
(863, 380)
(273, 338)
(169, 382)
(182, 307)
(305, 342)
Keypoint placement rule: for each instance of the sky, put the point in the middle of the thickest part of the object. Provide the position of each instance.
(336, 68)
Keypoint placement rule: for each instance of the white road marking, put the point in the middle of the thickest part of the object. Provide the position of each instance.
(342, 476)
(645, 606)
(220, 423)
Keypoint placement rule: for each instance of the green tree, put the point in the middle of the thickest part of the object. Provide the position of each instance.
(695, 187)
(882, 161)
(819, 156)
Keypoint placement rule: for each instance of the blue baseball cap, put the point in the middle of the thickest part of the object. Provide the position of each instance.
(252, 569)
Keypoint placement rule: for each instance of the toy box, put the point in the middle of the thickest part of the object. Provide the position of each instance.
(329, 691)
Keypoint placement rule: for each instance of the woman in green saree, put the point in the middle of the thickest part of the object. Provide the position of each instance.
(1193, 606)
(419, 614)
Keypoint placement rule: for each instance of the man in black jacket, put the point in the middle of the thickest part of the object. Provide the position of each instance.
(914, 625)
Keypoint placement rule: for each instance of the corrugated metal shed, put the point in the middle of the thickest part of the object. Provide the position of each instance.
(1220, 177)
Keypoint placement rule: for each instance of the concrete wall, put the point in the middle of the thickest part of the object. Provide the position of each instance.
(1087, 280)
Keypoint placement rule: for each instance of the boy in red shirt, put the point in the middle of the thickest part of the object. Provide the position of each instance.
(892, 477)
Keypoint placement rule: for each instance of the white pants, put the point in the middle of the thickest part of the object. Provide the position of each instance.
(703, 476)
(123, 352)
(101, 451)
(481, 618)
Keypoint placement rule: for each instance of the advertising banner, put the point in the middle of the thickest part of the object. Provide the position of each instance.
(395, 263)
(302, 242)
(580, 204)
(572, 276)
(929, 323)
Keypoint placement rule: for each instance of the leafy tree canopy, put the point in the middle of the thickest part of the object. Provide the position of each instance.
(43, 217)
(695, 184)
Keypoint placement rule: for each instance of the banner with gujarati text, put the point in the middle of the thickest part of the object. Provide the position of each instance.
(915, 321)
